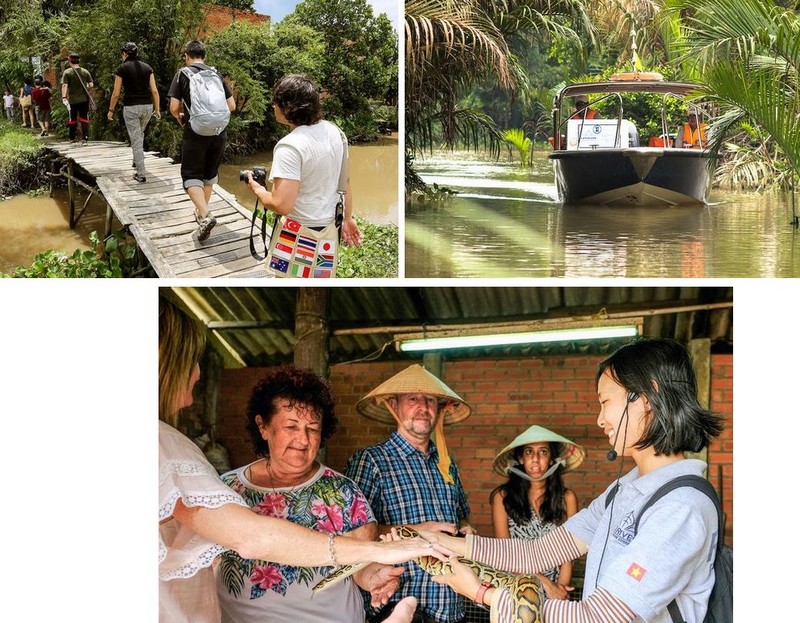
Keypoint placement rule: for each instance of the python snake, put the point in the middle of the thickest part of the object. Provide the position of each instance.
(526, 591)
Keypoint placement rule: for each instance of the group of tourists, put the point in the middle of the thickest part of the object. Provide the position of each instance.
(34, 104)
(307, 163)
(319, 517)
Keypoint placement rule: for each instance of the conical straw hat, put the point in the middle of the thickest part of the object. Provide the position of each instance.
(413, 380)
(570, 452)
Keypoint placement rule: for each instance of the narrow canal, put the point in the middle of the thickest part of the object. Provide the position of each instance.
(506, 222)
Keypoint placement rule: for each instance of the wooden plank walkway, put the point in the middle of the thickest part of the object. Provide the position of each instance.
(160, 215)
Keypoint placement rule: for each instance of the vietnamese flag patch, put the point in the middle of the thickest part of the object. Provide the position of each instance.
(636, 572)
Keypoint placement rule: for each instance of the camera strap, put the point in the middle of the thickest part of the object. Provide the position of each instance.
(263, 212)
(338, 218)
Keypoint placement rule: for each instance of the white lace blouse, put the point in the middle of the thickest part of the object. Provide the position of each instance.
(187, 589)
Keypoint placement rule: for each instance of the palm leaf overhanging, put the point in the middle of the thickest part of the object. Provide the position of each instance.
(748, 54)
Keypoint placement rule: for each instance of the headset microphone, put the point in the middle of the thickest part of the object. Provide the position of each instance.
(612, 454)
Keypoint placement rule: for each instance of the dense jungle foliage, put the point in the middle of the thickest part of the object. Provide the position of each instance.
(348, 51)
(478, 68)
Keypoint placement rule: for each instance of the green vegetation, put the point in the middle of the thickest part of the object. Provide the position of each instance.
(21, 168)
(343, 46)
(478, 67)
(376, 257)
(114, 257)
(516, 137)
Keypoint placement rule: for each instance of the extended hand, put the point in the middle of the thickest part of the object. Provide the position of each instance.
(351, 235)
(381, 581)
(462, 580)
(553, 590)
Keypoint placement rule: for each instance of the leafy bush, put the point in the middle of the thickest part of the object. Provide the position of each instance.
(114, 257)
(21, 166)
(376, 257)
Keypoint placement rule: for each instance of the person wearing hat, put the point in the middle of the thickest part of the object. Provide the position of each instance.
(693, 135)
(410, 480)
(533, 501)
(139, 103)
(75, 84)
(650, 414)
(582, 110)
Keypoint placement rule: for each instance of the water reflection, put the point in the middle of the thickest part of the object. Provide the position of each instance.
(505, 222)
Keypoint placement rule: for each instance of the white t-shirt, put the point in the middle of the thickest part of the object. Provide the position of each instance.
(8, 101)
(312, 155)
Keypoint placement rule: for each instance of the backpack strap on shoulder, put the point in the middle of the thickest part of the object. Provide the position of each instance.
(688, 480)
(696, 482)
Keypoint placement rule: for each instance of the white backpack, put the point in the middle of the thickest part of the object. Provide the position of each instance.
(209, 114)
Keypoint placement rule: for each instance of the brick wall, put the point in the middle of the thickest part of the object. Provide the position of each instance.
(220, 17)
(507, 396)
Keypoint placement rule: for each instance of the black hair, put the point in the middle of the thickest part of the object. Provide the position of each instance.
(661, 369)
(298, 99)
(300, 387)
(553, 508)
(195, 49)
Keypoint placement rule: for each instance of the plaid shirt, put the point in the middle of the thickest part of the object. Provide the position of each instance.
(404, 487)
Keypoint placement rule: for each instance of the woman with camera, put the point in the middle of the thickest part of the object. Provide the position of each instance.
(306, 162)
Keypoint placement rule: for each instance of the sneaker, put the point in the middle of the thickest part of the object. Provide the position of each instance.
(139, 178)
(85, 141)
(42, 133)
(206, 224)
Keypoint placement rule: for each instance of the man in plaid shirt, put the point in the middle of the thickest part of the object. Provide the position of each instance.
(409, 480)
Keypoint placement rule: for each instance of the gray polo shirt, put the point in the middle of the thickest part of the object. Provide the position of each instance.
(673, 551)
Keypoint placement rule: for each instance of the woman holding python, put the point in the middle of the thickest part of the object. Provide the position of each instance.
(649, 411)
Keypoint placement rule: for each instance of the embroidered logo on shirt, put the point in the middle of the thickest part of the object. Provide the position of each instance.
(624, 533)
(636, 572)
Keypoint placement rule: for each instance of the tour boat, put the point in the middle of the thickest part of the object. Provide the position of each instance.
(600, 161)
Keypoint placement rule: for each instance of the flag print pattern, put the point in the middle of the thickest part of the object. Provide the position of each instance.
(298, 253)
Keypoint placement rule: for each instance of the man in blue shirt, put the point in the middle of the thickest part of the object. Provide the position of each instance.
(410, 480)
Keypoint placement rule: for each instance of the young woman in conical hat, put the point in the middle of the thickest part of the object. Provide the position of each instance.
(534, 501)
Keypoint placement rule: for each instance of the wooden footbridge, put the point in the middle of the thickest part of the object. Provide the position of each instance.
(158, 213)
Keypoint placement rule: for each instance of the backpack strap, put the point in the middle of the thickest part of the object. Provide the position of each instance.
(688, 480)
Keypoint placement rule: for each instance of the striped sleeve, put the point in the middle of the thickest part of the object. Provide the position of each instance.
(524, 556)
(600, 607)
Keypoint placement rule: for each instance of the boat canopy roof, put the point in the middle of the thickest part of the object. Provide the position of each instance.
(679, 89)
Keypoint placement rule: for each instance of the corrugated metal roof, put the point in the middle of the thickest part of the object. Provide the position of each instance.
(256, 324)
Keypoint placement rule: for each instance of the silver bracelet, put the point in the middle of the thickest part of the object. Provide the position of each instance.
(332, 550)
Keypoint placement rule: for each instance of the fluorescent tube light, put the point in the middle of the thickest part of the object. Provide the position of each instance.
(416, 344)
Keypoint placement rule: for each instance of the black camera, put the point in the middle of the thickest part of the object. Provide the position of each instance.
(259, 175)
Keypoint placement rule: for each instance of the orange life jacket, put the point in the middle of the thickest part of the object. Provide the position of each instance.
(694, 137)
(590, 114)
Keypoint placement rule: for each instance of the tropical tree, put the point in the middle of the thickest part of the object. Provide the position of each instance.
(748, 54)
(455, 46)
(360, 62)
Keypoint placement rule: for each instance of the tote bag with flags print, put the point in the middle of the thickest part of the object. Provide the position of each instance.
(299, 251)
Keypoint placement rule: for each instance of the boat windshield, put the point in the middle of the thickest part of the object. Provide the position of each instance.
(619, 116)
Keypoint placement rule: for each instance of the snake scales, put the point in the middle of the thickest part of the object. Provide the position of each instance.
(525, 591)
